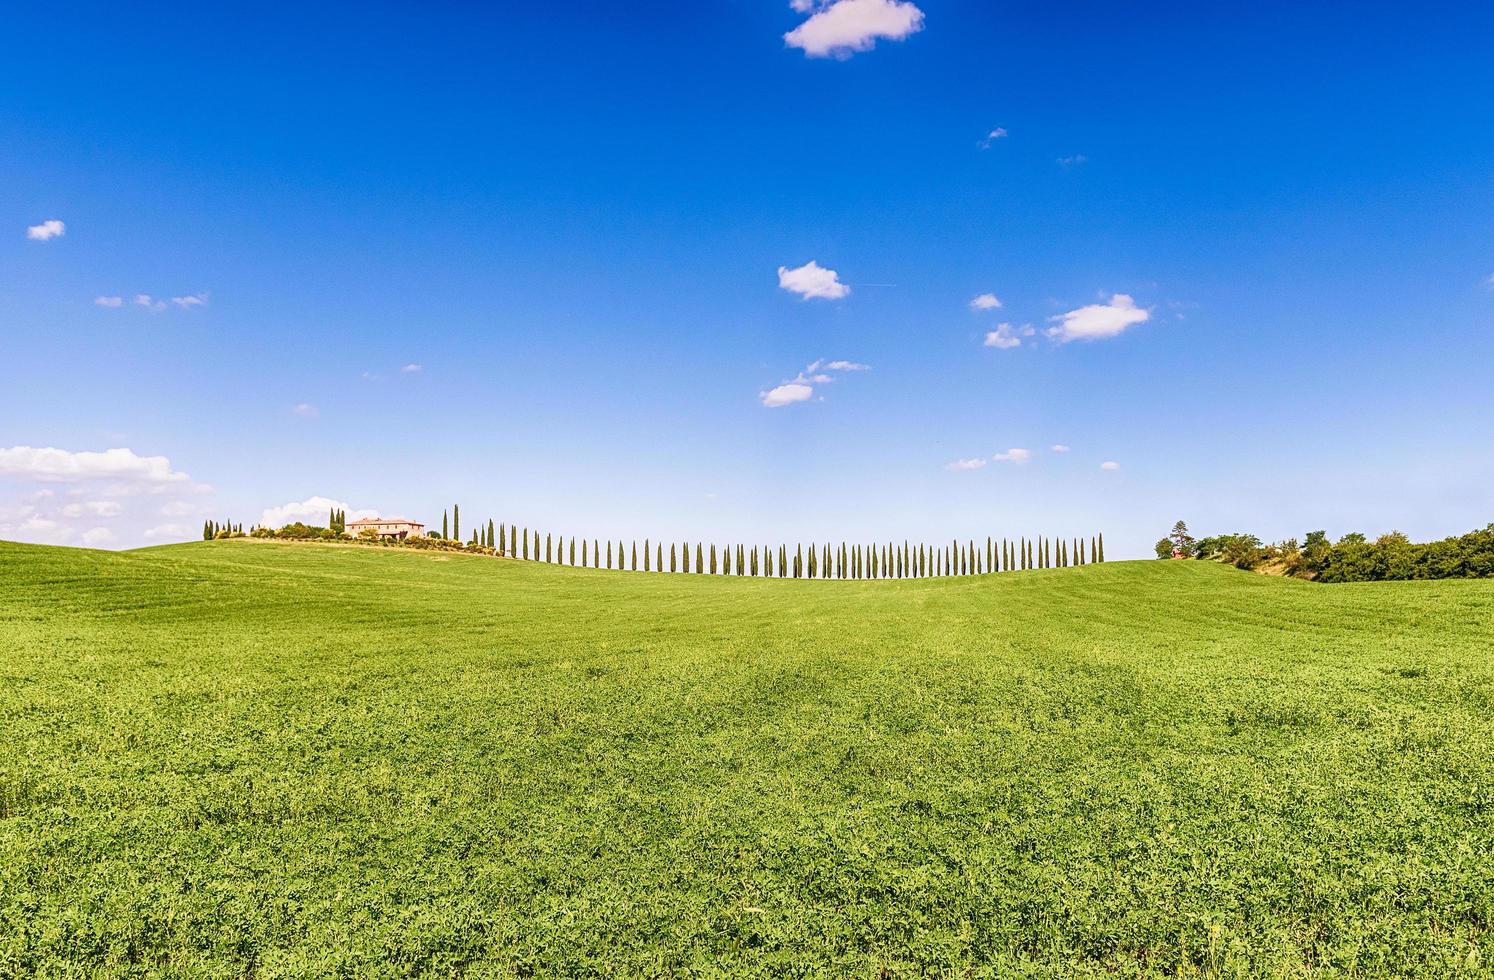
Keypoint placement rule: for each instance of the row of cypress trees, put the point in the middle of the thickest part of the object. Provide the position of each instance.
(843, 561)
(211, 529)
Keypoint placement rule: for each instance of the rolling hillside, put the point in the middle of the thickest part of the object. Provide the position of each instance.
(239, 756)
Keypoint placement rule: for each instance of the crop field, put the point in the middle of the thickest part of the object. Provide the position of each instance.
(247, 758)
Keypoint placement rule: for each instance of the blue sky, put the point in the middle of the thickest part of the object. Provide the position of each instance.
(573, 219)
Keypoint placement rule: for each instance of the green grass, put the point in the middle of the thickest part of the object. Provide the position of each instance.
(242, 758)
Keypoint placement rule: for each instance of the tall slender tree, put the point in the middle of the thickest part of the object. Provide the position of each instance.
(445, 533)
(633, 557)
(1100, 550)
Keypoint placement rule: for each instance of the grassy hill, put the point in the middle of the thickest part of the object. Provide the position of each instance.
(236, 757)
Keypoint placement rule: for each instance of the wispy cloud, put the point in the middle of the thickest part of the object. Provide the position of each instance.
(840, 28)
(1060, 448)
(109, 302)
(169, 532)
(1098, 320)
(47, 230)
(1077, 160)
(145, 300)
(1006, 336)
(985, 301)
(411, 368)
(974, 463)
(188, 302)
(1017, 456)
(93, 508)
(801, 387)
(1110, 464)
(999, 133)
(306, 411)
(813, 281)
(61, 465)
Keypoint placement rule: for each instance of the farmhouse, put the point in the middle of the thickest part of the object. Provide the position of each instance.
(387, 527)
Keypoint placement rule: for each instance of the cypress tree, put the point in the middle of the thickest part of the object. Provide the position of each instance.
(699, 559)
(609, 555)
(444, 529)
(633, 557)
(672, 566)
(1101, 551)
(490, 532)
(645, 555)
(573, 550)
(456, 522)
(659, 556)
(548, 557)
(713, 559)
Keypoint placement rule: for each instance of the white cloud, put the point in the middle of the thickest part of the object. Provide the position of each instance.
(1077, 160)
(842, 27)
(1060, 448)
(94, 537)
(1006, 336)
(801, 388)
(811, 281)
(171, 531)
(985, 301)
(109, 302)
(1098, 320)
(965, 464)
(312, 510)
(178, 508)
(999, 133)
(145, 300)
(47, 230)
(1018, 456)
(97, 508)
(61, 465)
(786, 394)
(1110, 464)
(306, 411)
(411, 369)
(187, 302)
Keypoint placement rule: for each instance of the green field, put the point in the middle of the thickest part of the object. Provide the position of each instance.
(236, 758)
